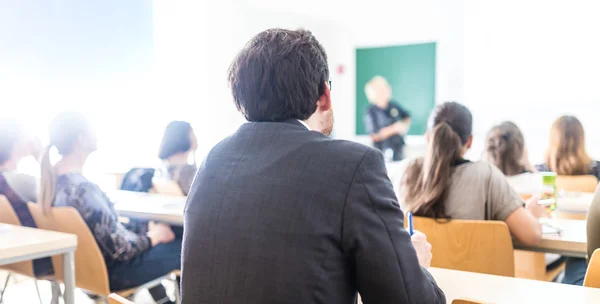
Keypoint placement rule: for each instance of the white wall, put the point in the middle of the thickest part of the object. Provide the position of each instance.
(335, 39)
(530, 62)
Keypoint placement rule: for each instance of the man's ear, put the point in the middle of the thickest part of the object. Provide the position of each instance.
(324, 102)
(469, 142)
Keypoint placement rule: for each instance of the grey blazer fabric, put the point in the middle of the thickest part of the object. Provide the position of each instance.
(281, 214)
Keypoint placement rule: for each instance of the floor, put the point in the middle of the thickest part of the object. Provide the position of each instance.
(22, 290)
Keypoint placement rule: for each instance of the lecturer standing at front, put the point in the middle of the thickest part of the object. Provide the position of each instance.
(385, 120)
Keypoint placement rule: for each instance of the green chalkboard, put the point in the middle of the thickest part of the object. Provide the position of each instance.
(410, 70)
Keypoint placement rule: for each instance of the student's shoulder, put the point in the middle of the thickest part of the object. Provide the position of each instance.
(77, 184)
(350, 150)
(481, 168)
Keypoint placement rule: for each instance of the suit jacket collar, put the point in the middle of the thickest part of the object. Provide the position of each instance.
(296, 122)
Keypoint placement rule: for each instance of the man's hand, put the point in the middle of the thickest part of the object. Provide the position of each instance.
(423, 248)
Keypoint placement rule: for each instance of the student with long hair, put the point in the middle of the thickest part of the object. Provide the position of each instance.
(133, 256)
(566, 154)
(505, 148)
(178, 143)
(444, 185)
(17, 187)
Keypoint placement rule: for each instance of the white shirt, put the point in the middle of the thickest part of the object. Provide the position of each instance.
(302, 122)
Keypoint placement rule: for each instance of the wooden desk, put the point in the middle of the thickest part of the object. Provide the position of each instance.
(18, 244)
(505, 290)
(571, 242)
(147, 206)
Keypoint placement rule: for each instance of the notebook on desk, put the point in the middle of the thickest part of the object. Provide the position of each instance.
(549, 229)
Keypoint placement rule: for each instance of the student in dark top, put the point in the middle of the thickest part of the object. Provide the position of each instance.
(19, 188)
(133, 255)
(16, 144)
(178, 143)
(505, 148)
(566, 155)
(385, 120)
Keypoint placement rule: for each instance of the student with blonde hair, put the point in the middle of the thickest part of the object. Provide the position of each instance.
(444, 185)
(385, 120)
(566, 154)
(133, 255)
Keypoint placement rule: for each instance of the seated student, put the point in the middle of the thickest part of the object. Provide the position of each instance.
(445, 185)
(15, 145)
(133, 257)
(566, 155)
(178, 142)
(505, 148)
(19, 188)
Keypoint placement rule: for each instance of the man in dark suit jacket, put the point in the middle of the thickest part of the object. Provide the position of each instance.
(281, 213)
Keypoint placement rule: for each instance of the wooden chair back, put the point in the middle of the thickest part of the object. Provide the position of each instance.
(577, 183)
(8, 216)
(90, 269)
(114, 298)
(592, 276)
(475, 246)
(166, 187)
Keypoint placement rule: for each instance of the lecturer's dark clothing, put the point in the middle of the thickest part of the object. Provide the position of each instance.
(377, 118)
(280, 214)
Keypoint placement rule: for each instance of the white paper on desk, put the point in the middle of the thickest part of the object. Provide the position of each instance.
(550, 230)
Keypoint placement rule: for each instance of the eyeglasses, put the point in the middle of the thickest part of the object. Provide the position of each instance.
(329, 82)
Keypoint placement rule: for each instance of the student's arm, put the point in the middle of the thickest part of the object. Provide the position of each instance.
(397, 128)
(506, 206)
(377, 245)
(400, 127)
(112, 237)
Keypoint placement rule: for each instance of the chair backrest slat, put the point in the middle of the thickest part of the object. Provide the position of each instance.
(592, 276)
(475, 246)
(577, 183)
(8, 216)
(90, 269)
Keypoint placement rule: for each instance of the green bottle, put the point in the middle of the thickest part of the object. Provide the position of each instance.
(549, 188)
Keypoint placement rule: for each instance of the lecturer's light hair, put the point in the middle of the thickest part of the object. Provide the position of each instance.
(370, 86)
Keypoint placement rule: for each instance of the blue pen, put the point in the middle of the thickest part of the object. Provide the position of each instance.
(410, 224)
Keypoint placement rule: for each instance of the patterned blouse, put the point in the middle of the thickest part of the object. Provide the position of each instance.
(117, 242)
(594, 169)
